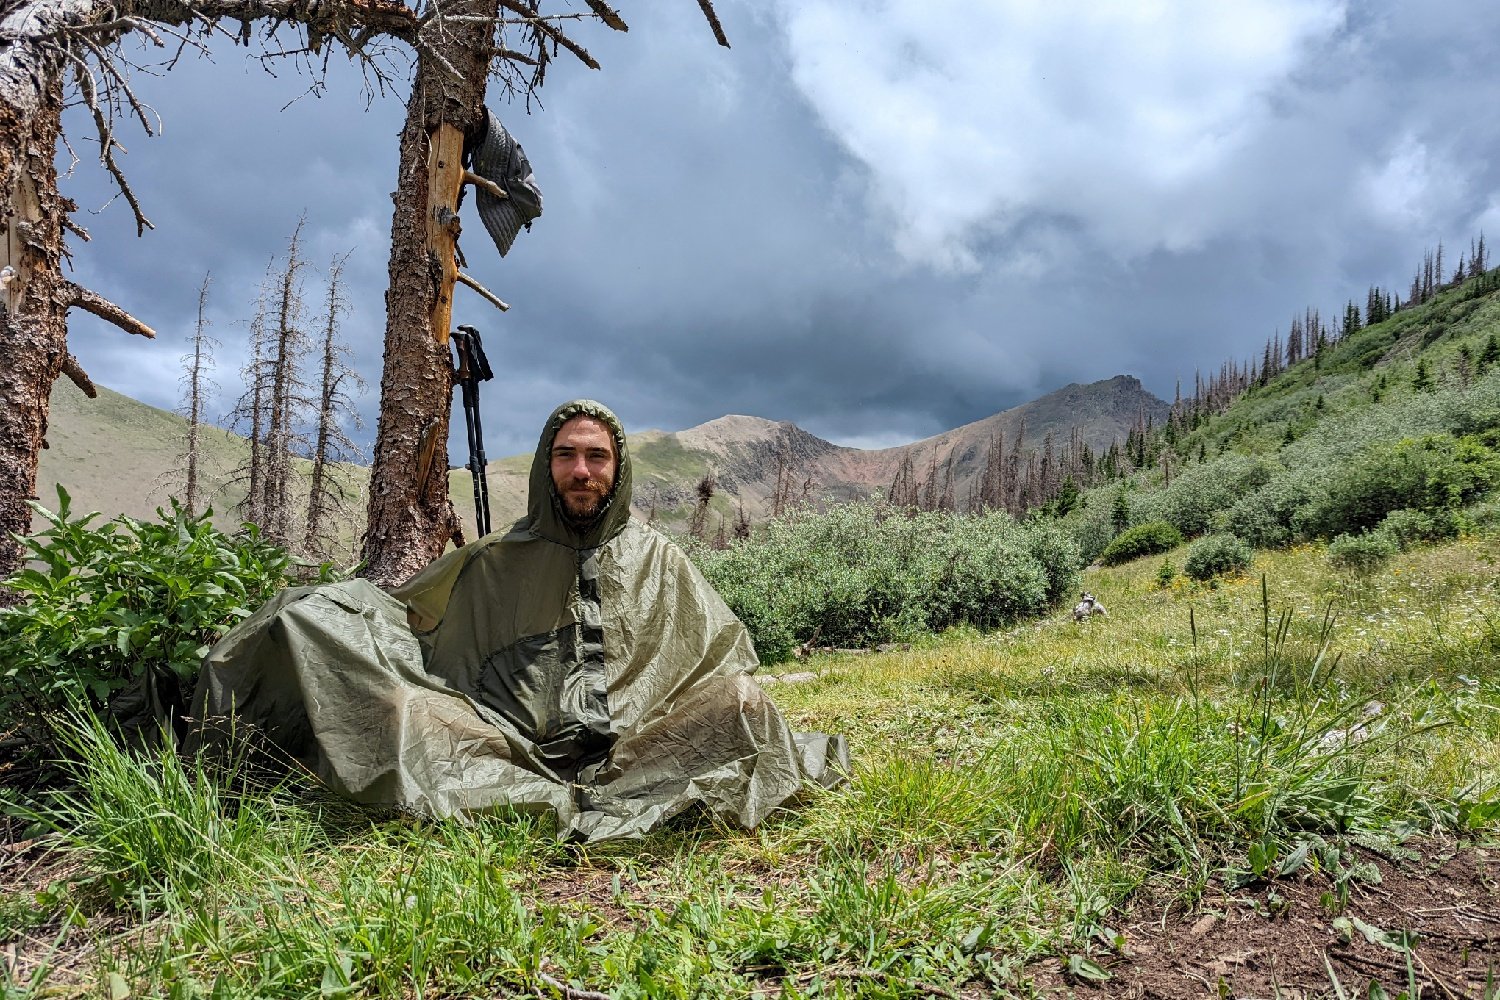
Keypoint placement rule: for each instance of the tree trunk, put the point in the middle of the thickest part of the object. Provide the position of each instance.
(33, 303)
(410, 517)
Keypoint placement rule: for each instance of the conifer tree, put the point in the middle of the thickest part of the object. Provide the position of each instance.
(1489, 355)
(1120, 510)
(1421, 379)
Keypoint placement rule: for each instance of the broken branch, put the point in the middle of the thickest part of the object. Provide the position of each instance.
(707, 6)
(74, 371)
(608, 15)
(511, 55)
(93, 302)
(493, 299)
(568, 992)
(470, 177)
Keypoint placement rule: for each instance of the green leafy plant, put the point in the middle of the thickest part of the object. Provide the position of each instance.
(121, 614)
(1217, 555)
(1147, 539)
(1362, 553)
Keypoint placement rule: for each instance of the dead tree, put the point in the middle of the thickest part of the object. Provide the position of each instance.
(329, 499)
(781, 493)
(458, 45)
(287, 344)
(903, 495)
(707, 487)
(741, 522)
(195, 384)
(249, 415)
(275, 403)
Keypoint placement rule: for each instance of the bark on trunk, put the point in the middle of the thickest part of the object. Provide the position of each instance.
(33, 305)
(410, 516)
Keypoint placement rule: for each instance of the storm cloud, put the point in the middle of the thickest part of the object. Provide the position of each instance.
(876, 219)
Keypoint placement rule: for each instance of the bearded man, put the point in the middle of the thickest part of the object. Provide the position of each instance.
(577, 663)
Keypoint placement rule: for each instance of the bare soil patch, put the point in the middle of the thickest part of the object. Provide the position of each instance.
(1429, 927)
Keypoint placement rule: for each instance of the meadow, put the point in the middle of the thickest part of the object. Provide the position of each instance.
(1019, 798)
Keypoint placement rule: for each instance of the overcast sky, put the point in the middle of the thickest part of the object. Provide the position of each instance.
(877, 218)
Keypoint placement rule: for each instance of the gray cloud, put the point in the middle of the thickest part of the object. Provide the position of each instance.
(878, 220)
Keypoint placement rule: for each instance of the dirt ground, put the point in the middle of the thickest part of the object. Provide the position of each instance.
(1429, 928)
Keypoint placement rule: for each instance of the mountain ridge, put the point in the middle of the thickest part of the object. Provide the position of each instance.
(115, 453)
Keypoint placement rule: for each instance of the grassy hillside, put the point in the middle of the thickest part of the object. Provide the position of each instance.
(1046, 809)
(1399, 419)
(116, 455)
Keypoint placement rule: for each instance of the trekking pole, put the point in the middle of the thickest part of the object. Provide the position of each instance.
(473, 368)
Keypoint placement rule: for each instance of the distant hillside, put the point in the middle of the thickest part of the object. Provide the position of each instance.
(1382, 433)
(744, 453)
(115, 454)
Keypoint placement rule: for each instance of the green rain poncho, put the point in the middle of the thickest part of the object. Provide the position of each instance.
(595, 674)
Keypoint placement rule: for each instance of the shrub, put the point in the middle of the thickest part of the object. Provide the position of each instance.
(1362, 553)
(1483, 517)
(1166, 573)
(120, 615)
(864, 573)
(1201, 492)
(1090, 537)
(1408, 527)
(1147, 539)
(1054, 549)
(1217, 555)
(1263, 518)
(1432, 474)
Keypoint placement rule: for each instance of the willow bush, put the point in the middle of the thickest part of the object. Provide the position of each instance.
(864, 573)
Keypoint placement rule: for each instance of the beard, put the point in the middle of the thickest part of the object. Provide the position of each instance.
(583, 511)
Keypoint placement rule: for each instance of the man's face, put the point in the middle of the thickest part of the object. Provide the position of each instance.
(583, 467)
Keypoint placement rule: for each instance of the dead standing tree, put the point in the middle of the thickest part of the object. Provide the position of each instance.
(328, 496)
(458, 45)
(287, 349)
(195, 384)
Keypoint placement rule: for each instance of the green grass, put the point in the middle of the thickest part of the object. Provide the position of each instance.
(1011, 791)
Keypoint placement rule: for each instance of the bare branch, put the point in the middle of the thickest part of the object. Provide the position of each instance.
(608, 15)
(107, 142)
(542, 27)
(510, 55)
(707, 6)
(74, 371)
(93, 302)
(484, 293)
(112, 29)
(470, 177)
(121, 83)
(568, 992)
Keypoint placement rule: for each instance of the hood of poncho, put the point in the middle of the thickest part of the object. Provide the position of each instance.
(544, 510)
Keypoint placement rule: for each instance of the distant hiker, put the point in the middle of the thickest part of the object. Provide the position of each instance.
(578, 664)
(1088, 607)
